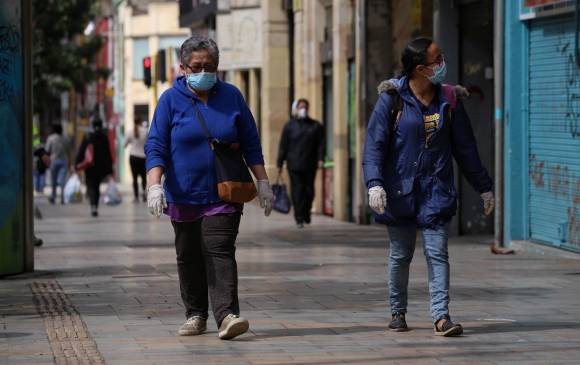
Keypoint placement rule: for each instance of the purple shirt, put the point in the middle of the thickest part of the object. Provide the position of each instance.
(192, 213)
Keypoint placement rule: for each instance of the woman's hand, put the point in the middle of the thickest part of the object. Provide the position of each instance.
(488, 202)
(378, 199)
(266, 196)
(156, 200)
(155, 193)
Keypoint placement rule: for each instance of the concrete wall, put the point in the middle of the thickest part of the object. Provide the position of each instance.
(163, 23)
(275, 80)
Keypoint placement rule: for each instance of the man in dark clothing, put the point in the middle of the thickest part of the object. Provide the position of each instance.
(101, 165)
(302, 147)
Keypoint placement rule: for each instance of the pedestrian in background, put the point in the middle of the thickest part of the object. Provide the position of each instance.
(100, 165)
(412, 136)
(57, 147)
(136, 141)
(205, 226)
(302, 147)
(41, 164)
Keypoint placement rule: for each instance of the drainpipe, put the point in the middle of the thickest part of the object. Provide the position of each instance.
(499, 122)
(290, 18)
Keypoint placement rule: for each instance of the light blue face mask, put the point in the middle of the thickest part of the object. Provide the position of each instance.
(202, 81)
(439, 73)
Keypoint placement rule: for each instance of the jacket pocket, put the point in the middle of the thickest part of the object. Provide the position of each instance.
(400, 198)
(444, 198)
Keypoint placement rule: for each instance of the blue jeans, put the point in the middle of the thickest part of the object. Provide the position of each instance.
(39, 181)
(435, 249)
(58, 176)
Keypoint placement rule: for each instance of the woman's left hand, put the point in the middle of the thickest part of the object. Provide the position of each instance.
(488, 202)
(266, 196)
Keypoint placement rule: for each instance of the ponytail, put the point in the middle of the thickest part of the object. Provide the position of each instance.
(415, 54)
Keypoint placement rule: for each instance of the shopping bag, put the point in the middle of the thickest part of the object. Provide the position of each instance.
(72, 190)
(112, 194)
(281, 199)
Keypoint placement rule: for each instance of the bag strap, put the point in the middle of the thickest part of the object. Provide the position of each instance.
(201, 121)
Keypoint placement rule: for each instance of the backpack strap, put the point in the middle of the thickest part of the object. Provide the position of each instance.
(390, 87)
(396, 109)
(450, 94)
(453, 93)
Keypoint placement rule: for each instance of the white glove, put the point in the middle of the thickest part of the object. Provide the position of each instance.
(156, 200)
(488, 202)
(266, 196)
(378, 199)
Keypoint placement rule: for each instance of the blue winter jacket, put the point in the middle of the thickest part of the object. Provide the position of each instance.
(416, 174)
(177, 143)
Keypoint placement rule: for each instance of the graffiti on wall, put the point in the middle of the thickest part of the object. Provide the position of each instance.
(11, 133)
(564, 184)
(571, 89)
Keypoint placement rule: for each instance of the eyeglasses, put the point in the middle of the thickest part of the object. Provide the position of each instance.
(439, 60)
(198, 67)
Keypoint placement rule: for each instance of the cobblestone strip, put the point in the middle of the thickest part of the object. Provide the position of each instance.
(68, 335)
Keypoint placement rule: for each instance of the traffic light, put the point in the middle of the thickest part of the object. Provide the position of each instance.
(161, 66)
(147, 71)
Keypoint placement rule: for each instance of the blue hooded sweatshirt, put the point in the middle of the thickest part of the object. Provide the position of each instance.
(416, 173)
(177, 143)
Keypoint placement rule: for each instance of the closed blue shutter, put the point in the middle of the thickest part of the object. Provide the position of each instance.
(554, 133)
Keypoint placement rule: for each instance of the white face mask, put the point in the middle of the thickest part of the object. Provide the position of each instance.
(302, 113)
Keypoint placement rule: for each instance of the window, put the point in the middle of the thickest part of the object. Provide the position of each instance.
(141, 110)
(140, 51)
(173, 41)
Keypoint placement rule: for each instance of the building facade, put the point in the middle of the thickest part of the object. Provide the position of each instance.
(542, 112)
(145, 28)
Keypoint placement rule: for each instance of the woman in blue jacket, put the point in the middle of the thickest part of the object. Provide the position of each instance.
(205, 226)
(411, 138)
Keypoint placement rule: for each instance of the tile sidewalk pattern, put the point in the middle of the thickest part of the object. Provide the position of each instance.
(315, 296)
(67, 333)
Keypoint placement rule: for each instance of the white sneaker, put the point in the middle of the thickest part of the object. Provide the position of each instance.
(195, 325)
(232, 326)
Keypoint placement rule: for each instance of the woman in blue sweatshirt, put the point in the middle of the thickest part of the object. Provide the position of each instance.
(205, 226)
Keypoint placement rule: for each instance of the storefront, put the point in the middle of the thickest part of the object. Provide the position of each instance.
(543, 123)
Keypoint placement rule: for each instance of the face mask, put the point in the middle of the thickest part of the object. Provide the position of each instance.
(302, 113)
(202, 81)
(439, 73)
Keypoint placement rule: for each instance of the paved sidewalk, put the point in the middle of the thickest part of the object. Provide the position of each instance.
(106, 291)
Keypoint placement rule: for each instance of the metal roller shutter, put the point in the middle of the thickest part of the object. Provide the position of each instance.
(554, 133)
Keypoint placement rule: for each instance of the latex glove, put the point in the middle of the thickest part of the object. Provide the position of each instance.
(378, 199)
(488, 202)
(266, 196)
(156, 200)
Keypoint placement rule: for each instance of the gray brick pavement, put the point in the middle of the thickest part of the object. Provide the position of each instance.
(314, 296)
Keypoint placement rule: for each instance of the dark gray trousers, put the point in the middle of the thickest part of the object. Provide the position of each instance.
(206, 260)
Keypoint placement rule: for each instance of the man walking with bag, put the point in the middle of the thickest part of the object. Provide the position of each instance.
(302, 147)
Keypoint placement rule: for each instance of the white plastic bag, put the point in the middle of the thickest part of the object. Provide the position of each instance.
(72, 190)
(112, 195)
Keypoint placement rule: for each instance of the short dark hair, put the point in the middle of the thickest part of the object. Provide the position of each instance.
(197, 43)
(303, 100)
(415, 54)
(57, 128)
(97, 123)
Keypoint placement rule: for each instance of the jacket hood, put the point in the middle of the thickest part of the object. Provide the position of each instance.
(389, 86)
(397, 85)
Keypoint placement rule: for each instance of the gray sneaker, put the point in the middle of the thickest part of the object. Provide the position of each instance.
(232, 326)
(195, 325)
